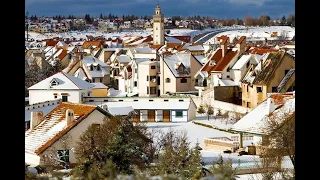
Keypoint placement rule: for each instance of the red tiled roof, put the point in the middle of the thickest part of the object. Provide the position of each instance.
(261, 51)
(62, 54)
(182, 38)
(221, 62)
(148, 39)
(86, 44)
(241, 39)
(51, 42)
(156, 47)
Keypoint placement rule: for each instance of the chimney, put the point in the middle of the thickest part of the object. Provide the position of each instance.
(261, 64)
(69, 116)
(270, 105)
(36, 118)
(224, 46)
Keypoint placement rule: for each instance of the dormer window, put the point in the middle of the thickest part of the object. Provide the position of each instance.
(54, 82)
(212, 63)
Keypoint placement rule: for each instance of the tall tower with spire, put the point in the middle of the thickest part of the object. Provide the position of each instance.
(158, 27)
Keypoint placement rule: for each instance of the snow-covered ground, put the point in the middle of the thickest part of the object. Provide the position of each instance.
(257, 33)
(83, 34)
(215, 121)
(194, 132)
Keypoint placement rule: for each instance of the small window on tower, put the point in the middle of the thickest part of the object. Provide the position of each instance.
(156, 28)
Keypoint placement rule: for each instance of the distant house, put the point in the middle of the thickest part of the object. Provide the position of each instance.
(59, 86)
(275, 72)
(90, 69)
(57, 133)
(152, 109)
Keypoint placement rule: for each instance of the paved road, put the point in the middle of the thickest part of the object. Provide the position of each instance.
(208, 35)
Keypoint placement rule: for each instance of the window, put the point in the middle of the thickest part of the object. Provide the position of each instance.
(147, 89)
(183, 80)
(100, 79)
(106, 100)
(179, 113)
(181, 100)
(147, 78)
(228, 76)
(259, 89)
(165, 100)
(285, 72)
(274, 89)
(135, 83)
(150, 100)
(153, 90)
(120, 99)
(27, 125)
(91, 100)
(228, 69)
(156, 28)
(248, 64)
(64, 98)
(153, 67)
(63, 155)
(248, 105)
(91, 67)
(135, 100)
(153, 78)
(98, 67)
(168, 80)
(247, 88)
(55, 96)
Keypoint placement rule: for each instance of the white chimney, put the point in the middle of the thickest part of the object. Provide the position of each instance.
(69, 116)
(270, 105)
(36, 118)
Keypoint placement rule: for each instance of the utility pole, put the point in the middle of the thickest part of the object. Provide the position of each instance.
(27, 13)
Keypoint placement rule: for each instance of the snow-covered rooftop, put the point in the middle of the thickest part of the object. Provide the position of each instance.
(242, 62)
(63, 81)
(99, 86)
(254, 122)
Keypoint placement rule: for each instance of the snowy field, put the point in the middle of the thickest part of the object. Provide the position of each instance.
(256, 33)
(83, 34)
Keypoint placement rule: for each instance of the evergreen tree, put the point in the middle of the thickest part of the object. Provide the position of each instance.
(223, 171)
(57, 66)
(201, 109)
(118, 140)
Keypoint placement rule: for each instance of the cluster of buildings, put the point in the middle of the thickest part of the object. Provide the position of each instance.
(49, 25)
(156, 76)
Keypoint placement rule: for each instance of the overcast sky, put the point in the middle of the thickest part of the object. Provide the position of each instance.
(212, 8)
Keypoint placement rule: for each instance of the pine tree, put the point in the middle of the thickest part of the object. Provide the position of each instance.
(223, 170)
(209, 111)
(201, 110)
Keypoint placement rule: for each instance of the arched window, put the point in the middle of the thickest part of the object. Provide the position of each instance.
(168, 80)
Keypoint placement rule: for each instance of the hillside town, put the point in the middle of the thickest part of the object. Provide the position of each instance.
(221, 91)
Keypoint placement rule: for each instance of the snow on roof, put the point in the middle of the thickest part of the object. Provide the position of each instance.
(88, 60)
(144, 49)
(254, 121)
(123, 58)
(122, 111)
(140, 60)
(201, 58)
(62, 43)
(64, 81)
(173, 40)
(227, 82)
(80, 74)
(45, 110)
(99, 86)
(180, 57)
(146, 105)
(195, 48)
(53, 126)
(147, 62)
(242, 62)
